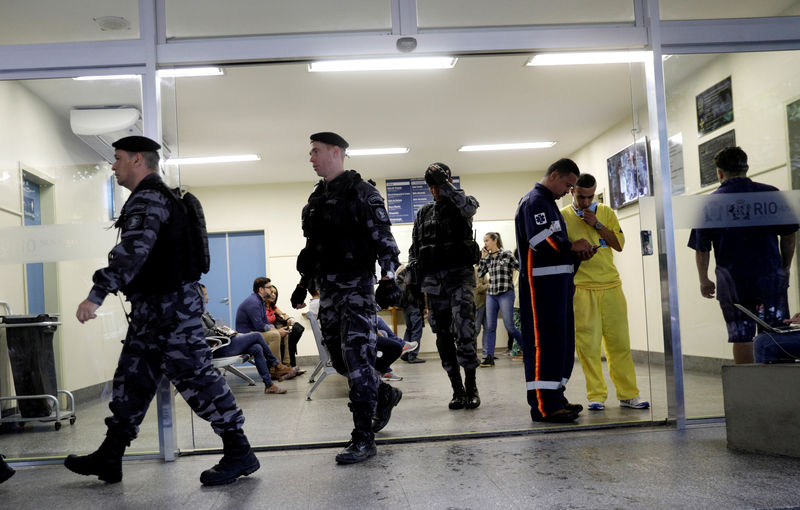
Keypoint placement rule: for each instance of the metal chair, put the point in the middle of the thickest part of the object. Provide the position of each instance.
(227, 363)
(324, 367)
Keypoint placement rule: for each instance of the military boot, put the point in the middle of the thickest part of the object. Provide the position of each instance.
(362, 442)
(459, 395)
(106, 462)
(6, 471)
(473, 399)
(238, 459)
(388, 398)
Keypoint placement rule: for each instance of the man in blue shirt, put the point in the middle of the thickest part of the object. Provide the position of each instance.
(752, 263)
(252, 313)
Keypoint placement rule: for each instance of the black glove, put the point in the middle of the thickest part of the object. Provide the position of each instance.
(435, 176)
(298, 296)
(387, 294)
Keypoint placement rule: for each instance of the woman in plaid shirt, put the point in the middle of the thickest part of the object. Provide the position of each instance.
(500, 264)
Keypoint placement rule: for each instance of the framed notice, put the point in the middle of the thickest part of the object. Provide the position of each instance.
(707, 151)
(714, 107)
(793, 121)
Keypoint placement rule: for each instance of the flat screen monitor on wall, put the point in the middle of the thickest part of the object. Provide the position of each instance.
(629, 174)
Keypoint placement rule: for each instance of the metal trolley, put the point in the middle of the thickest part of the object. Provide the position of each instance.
(58, 414)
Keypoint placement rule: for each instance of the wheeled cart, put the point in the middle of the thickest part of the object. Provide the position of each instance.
(30, 348)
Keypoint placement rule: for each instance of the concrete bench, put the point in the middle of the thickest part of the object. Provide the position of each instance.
(762, 408)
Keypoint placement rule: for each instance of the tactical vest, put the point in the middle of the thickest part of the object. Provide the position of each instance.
(335, 224)
(445, 238)
(168, 265)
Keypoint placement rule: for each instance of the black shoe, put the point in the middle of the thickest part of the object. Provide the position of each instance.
(238, 459)
(105, 463)
(6, 471)
(473, 399)
(387, 400)
(459, 400)
(560, 416)
(230, 468)
(404, 357)
(357, 450)
(488, 361)
(415, 359)
(575, 408)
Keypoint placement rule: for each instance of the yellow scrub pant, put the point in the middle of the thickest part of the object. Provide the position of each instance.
(602, 316)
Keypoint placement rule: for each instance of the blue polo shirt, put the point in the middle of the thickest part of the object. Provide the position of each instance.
(749, 255)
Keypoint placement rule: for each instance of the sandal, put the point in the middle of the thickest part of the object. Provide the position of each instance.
(275, 389)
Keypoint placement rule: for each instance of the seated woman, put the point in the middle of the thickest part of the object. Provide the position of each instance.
(247, 343)
(280, 320)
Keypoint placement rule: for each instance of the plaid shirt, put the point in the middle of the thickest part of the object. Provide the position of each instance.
(501, 271)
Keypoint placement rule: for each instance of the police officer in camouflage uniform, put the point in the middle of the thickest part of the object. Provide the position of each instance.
(347, 229)
(151, 265)
(442, 255)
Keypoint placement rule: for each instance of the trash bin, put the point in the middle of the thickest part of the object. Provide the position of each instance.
(30, 348)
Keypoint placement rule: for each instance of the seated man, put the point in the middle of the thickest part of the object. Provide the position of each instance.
(249, 343)
(251, 315)
(776, 348)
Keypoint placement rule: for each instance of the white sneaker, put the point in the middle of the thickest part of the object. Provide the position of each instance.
(634, 403)
(391, 376)
(594, 405)
(409, 346)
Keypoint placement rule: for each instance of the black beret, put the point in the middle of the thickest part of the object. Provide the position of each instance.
(330, 138)
(136, 144)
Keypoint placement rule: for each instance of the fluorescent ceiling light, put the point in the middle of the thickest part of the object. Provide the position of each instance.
(235, 158)
(506, 146)
(382, 64)
(107, 77)
(594, 57)
(181, 72)
(377, 152)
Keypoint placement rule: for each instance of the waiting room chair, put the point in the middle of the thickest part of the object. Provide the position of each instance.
(227, 363)
(324, 367)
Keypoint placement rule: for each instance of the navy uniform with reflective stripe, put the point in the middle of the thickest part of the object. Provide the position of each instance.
(546, 289)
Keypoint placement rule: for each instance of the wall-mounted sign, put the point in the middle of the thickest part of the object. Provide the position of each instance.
(404, 197)
(707, 151)
(714, 107)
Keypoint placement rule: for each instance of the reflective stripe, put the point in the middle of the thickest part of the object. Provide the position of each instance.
(564, 381)
(534, 241)
(548, 270)
(543, 385)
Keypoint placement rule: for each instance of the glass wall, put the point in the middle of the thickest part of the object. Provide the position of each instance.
(55, 166)
(715, 101)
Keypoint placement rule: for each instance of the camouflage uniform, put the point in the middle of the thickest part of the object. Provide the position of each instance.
(442, 254)
(347, 230)
(165, 335)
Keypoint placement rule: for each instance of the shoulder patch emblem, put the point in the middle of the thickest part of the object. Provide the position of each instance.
(540, 218)
(134, 222)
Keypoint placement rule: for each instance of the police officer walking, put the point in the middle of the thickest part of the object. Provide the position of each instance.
(347, 229)
(152, 266)
(442, 254)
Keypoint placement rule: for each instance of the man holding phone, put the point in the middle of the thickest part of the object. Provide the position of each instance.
(601, 314)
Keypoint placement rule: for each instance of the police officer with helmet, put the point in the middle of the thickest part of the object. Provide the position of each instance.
(152, 265)
(347, 229)
(442, 255)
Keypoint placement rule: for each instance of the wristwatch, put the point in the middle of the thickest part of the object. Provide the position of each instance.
(598, 226)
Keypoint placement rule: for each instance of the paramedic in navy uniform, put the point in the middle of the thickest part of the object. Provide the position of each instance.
(547, 262)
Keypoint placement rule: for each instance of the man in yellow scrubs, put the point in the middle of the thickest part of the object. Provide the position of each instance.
(601, 313)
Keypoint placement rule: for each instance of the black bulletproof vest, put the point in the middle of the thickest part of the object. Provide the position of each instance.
(335, 225)
(167, 267)
(445, 238)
